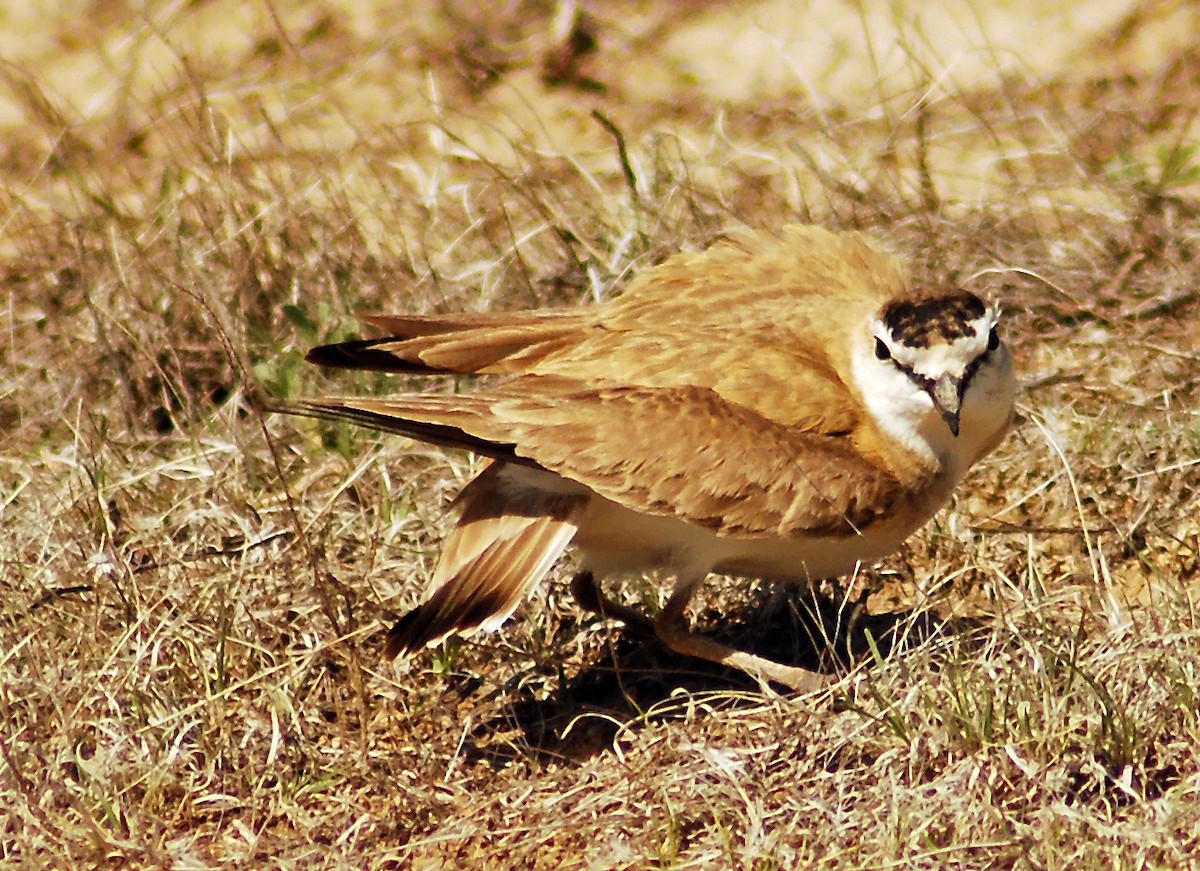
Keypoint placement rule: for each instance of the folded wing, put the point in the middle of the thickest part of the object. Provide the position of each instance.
(679, 451)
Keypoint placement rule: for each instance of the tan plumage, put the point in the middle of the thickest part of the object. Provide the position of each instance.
(720, 415)
(501, 547)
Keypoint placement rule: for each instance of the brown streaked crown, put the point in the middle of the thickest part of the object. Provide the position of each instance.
(939, 316)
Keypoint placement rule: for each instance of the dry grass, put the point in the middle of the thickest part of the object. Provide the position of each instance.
(194, 193)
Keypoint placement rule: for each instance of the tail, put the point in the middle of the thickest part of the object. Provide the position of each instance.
(508, 537)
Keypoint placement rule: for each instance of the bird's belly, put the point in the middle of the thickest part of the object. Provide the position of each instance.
(806, 559)
(616, 540)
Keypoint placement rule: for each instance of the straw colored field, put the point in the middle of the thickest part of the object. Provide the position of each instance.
(194, 594)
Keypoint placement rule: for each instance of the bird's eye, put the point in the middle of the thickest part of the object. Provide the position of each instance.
(881, 350)
(993, 340)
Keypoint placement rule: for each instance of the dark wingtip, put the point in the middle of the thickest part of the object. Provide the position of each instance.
(409, 634)
(361, 354)
(436, 619)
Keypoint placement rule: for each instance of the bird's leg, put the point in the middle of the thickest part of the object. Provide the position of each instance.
(672, 629)
(586, 590)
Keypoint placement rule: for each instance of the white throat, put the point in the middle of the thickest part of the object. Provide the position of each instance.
(904, 411)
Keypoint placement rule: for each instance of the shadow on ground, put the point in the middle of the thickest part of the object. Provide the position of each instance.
(635, 676)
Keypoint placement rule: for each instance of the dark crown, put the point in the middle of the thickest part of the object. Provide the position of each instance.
(939, 316)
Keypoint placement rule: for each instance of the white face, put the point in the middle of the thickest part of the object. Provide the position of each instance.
(949, 401)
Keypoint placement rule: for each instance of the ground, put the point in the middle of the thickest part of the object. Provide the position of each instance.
(195, 592)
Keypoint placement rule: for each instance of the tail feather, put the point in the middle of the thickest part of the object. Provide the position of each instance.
(504, 544)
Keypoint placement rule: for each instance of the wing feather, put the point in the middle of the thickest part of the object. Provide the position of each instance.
(749, 317)
(502, 547)
(441, 344)
(681, 451)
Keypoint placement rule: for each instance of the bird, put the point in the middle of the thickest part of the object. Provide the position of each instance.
(783, 405)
